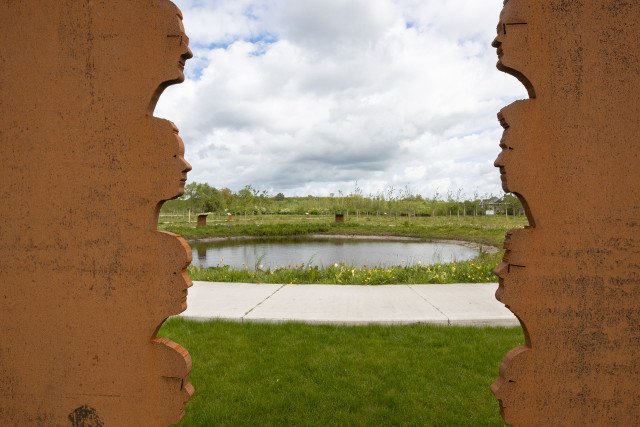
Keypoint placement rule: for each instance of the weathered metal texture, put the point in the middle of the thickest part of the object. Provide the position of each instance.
(571, 154)
(86, 280)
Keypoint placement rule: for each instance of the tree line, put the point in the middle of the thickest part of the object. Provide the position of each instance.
(203, 198)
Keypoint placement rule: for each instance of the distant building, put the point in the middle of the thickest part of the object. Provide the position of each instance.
(492, 205)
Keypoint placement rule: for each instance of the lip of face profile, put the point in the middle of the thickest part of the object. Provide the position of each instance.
(503, 179)
(497, 42)
(503, 173)
(185, 168)
(500, 164)
(187, 283)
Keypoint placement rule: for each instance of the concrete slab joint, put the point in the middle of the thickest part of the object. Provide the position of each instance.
(455, 304)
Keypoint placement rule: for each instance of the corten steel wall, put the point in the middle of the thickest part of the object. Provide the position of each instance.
(571, 153)
(86, 280)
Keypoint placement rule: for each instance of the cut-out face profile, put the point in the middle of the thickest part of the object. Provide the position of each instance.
(167, 151)
(501, 160)
(515, 370)
(512, 44)
(179, 164)
(177, 48)
(173, 382)
(172, 281)
(517, 144)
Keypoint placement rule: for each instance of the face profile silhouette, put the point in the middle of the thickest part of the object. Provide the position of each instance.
(174, 47)
(179, 166)
(178, 46)
(89, 279)
(511, 42)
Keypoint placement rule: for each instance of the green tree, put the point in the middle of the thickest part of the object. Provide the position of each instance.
(512, 204)
(245, 199)
(434, 202)
(203, 198)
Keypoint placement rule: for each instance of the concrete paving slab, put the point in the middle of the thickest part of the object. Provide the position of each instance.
(229, 301)
(468, 303)
(347, 304)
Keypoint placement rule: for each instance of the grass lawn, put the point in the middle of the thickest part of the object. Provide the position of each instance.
(297, 374)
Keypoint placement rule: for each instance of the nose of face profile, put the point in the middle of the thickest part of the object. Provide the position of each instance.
(186, 167)
(501, 270)
(188, 54)
(496, 43)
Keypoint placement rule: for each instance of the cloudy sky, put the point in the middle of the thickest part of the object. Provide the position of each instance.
(310, 96)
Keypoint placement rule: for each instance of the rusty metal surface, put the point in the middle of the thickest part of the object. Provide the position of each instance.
(571, 153)
(86, 280)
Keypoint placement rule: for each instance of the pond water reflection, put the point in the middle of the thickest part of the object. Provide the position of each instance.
(277, 253)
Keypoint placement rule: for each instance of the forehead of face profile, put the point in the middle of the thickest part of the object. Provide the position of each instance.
(171, 16)
(131, 37)
(515, 11)
(167, 142)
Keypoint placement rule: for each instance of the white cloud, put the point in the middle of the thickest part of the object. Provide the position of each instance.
(308, 97)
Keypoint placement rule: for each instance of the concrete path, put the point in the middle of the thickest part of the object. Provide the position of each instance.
(456, 304)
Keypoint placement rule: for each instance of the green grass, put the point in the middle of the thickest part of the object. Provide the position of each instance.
(297, 374)
(482, 229)
(479, 270)
(485, 230)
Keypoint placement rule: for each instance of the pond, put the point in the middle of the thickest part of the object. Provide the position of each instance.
(277, 253)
